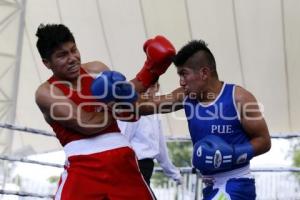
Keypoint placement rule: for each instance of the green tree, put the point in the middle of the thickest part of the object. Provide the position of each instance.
(296, 161)
(296, 158)
(180, 154)
(295, 151)
(53, 179)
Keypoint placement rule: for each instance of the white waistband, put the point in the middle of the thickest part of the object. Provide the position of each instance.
(96, 144)
(220, 178)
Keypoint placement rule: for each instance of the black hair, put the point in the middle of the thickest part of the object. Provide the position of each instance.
(190, 49)
(50, 37)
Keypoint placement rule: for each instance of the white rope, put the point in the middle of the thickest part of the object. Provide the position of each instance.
(189, 170)
(183, 170)
(169, 138)
(25, 160)
(25, 194)
(273, 135)
(26, 129)
(178, 139)
(285, 135)
(275, 169)
(156, 169)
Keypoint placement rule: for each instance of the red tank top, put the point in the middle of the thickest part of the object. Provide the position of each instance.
(66, 135)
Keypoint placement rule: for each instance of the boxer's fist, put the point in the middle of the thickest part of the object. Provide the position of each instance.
(212, 154)
(112, 86)
(160, 53)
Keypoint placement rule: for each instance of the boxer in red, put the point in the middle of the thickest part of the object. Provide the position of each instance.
(100, 163)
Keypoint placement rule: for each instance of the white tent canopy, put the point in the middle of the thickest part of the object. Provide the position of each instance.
(255, 42)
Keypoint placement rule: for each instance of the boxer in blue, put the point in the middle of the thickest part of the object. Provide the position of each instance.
(226, 125)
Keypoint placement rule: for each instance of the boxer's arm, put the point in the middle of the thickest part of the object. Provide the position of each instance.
(56, 107)
(138, 85)
(253, 121)
(147, 105)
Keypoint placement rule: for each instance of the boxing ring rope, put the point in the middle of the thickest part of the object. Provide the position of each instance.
(184, 170)
(156, 169)
(170, 138)
(26, 129)
(25, 160)
(25, 194)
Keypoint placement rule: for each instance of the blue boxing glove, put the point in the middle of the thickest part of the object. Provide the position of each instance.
(212, 155)
(112, 86)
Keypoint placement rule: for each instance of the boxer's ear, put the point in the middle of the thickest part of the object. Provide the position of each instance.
(46, 63)
(204, 72)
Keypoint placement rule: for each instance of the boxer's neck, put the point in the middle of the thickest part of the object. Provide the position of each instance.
(211, 92)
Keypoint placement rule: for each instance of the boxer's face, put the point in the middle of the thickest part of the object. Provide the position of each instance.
(65, 61)
(190, 80)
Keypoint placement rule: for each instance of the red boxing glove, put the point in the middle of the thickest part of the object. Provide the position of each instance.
(160, 53)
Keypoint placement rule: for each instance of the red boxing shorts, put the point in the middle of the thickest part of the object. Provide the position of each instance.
(102, 167)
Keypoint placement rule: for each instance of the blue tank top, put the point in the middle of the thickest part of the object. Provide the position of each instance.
(219, 117)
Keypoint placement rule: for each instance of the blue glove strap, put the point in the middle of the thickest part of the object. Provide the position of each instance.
(243, 153)
(125, 92)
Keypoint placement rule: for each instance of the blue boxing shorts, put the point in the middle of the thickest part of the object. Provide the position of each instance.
(237, 184)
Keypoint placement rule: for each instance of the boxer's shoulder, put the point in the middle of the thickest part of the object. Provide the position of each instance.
(44, 88)
(94, 67)
(46, 92)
